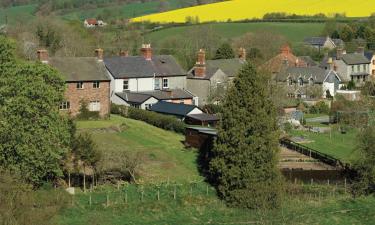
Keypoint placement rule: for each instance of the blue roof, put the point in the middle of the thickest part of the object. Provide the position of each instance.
(173, 108)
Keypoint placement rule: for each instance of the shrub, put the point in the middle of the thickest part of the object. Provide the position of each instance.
(158, 120)
(85, 113)
(320, 107)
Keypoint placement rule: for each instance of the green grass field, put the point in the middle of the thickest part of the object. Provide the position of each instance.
(336, 144)
(17, 13)
(165, 157)
(294, 32)
(125, 10)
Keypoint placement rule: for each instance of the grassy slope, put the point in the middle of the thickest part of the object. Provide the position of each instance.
(338, 145)
(18, 13)
(294, 32)
(164, 153)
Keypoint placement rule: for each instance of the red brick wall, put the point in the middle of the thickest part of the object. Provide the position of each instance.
(88, 93)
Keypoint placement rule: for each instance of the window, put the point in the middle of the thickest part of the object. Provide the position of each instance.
(364, 67)
(96, 84)
(125, 85)
(64, 106)
(358, 68)
(364, 78)
(148, 106)
(165, 83)
(80, 85)
(353, 69)
(157, 84)
(94, 106)
(373, 62)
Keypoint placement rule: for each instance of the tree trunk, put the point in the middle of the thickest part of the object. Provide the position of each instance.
(84, 180)
(69, 179)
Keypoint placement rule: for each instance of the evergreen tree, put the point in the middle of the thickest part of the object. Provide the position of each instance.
(243, 164)
(225, 51)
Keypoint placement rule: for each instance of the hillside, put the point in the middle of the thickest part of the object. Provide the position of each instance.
(248, 9)
(17, 13)
(294, 32)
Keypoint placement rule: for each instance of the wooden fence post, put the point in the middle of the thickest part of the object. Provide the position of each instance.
(345, 185)
(312, 181)
(107, 202)
(90, 202)
(207, 190)
(158, 194)
(174, 192)
(126, 197)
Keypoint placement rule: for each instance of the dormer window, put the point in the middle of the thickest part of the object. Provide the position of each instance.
(96, 84)
(125, 85)
(165, 83)
(311, 81)
(80, 85)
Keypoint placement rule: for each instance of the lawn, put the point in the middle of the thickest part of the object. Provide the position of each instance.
(336, 144)
(17, 13)
(165, 157)
(294, 32)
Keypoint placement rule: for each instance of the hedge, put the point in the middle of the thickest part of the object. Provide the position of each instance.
(158, 120)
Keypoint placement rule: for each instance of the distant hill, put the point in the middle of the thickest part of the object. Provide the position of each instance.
(248, 9)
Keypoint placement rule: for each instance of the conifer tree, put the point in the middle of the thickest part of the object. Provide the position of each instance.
(244, 158)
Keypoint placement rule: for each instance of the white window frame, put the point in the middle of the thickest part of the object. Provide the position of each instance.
(64, 106)
(127, 85)
(167, 82)
(80, 85)
(96, 84)
(94, 106)
(300, 82)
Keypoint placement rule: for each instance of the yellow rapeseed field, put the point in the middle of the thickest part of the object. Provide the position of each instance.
(247, 9)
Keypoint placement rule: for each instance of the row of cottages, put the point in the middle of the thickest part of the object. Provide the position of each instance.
(141, 81)
(302, 79)
(209, 75)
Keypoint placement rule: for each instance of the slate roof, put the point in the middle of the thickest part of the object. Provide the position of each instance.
(80, 68)
(355, 58)
(172, 108)
(230, 67)
(282, 61)
(169, 95)
(317, 73)
(204, 117)
(133, 97)
(308, 60)
(139, 67)
(319, 41)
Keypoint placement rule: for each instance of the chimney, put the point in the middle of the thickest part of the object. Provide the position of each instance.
(361, 50)
(124, 53)
(285, 50)
(42, 55)
(339, 53)
(242, 54)
(331, 64)
(146, 51)
(99, 54)
(200, 65)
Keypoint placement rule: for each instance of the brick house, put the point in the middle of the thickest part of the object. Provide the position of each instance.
(141, 81)
(86, 80)
(208, 77)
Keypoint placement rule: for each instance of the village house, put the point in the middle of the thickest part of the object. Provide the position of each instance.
(141, 81)
(86, 80)
(209, 76)
(350, 66)
(371, 56)
(283, 60)
(309, 82)
(324, 42)
(91, 23)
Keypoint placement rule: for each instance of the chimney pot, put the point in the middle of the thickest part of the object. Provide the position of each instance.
(200, 66)
(43, 55)
(99, 54)
(285, 50)
(146, 51)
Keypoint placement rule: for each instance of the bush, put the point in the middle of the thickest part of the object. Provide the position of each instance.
(86, 114)
(320, 107)
(158, 120)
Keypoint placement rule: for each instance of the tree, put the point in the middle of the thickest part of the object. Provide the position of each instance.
(346, 33)
(364, 182)
(34, 137)
(243, 166)
(225, 51)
